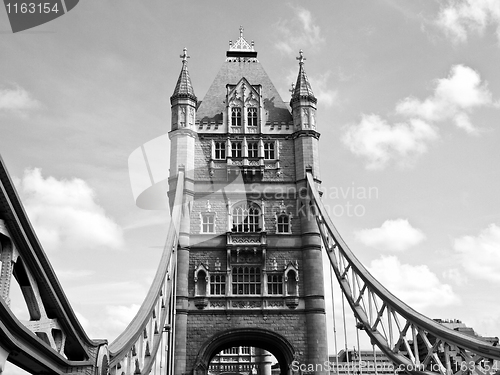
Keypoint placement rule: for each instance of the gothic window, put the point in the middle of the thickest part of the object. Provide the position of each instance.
(201, 283)
(246, 280)
(236, 149)
(283, 224)
(274, 284)
(208, 222)
(246, 217)
(236, 116)
(217, 285)
(291, 283)
(253, 149)
(269, 151)
(220, 150)
(252, 116)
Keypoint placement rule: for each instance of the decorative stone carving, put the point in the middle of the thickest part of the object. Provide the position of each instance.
(217, 303)
(246, 304)
(292, 302)
(201, 302)
(276, 303)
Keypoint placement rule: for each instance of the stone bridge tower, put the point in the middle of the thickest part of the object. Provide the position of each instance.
(249, 258)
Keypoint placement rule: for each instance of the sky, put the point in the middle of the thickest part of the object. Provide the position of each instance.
(408, 107)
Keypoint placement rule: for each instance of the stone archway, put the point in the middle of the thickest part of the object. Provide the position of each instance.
(282, 350)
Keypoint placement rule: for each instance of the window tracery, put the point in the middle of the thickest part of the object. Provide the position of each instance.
(246, 217)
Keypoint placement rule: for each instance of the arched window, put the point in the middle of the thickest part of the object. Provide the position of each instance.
(253, 149)
(246, 217)
(201, 283)
(236, 116)
(291, 283)
(252, 116)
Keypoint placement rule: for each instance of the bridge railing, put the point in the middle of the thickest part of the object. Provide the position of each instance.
(411, 340)
(52, 341)
(138, 349)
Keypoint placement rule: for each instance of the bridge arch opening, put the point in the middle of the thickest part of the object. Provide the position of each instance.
(274, 343)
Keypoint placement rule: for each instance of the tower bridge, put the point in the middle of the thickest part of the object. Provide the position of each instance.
(242, 265)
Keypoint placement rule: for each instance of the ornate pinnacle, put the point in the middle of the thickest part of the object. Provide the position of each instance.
(301, 58)
(241, 31)
(293, 88)
(184, 56)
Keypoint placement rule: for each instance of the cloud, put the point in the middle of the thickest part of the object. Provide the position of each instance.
(453, 98)
(74, 274)
(120, 316)
(379, 142)
(455, 275)
(394, 235)
(65, 214)
(461, 17)
(480, 255)
(299, 32)
(417, 286)
(16, 100)
(326, 97)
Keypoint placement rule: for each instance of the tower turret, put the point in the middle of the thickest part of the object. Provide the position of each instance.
(183, 99)
(183, 138)
(303, 103)
(183, 133)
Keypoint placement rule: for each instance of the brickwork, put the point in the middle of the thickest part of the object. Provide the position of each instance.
(203, 326)
(239, 239)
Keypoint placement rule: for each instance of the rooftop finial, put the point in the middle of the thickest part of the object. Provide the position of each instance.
(293, 88)
(301, 57)
(184, 56)
(241, 31)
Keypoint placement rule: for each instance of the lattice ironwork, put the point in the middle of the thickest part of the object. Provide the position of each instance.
(411, 340)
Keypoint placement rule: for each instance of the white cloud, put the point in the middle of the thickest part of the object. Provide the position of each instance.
(379, 142)
(461, 17)
(417, 286)
(74, 274)
(326, 97)
(299, 32)
(453, 98)
(16, 100)
(394, 235)
(455, 275)
(120, 316)
(65, 215)
(480, 255)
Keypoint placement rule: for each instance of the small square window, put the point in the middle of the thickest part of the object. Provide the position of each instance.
(217, 285)
(283, 224)
(269, 151)
(220, 150)
(274, 284)
(208, 223)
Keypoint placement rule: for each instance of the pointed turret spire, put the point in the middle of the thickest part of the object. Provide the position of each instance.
(184, 88)
(302, 88)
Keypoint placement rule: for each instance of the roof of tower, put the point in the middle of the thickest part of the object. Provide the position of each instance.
(241, 61)
(184, 88)
(302, 88)
(241, 48)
